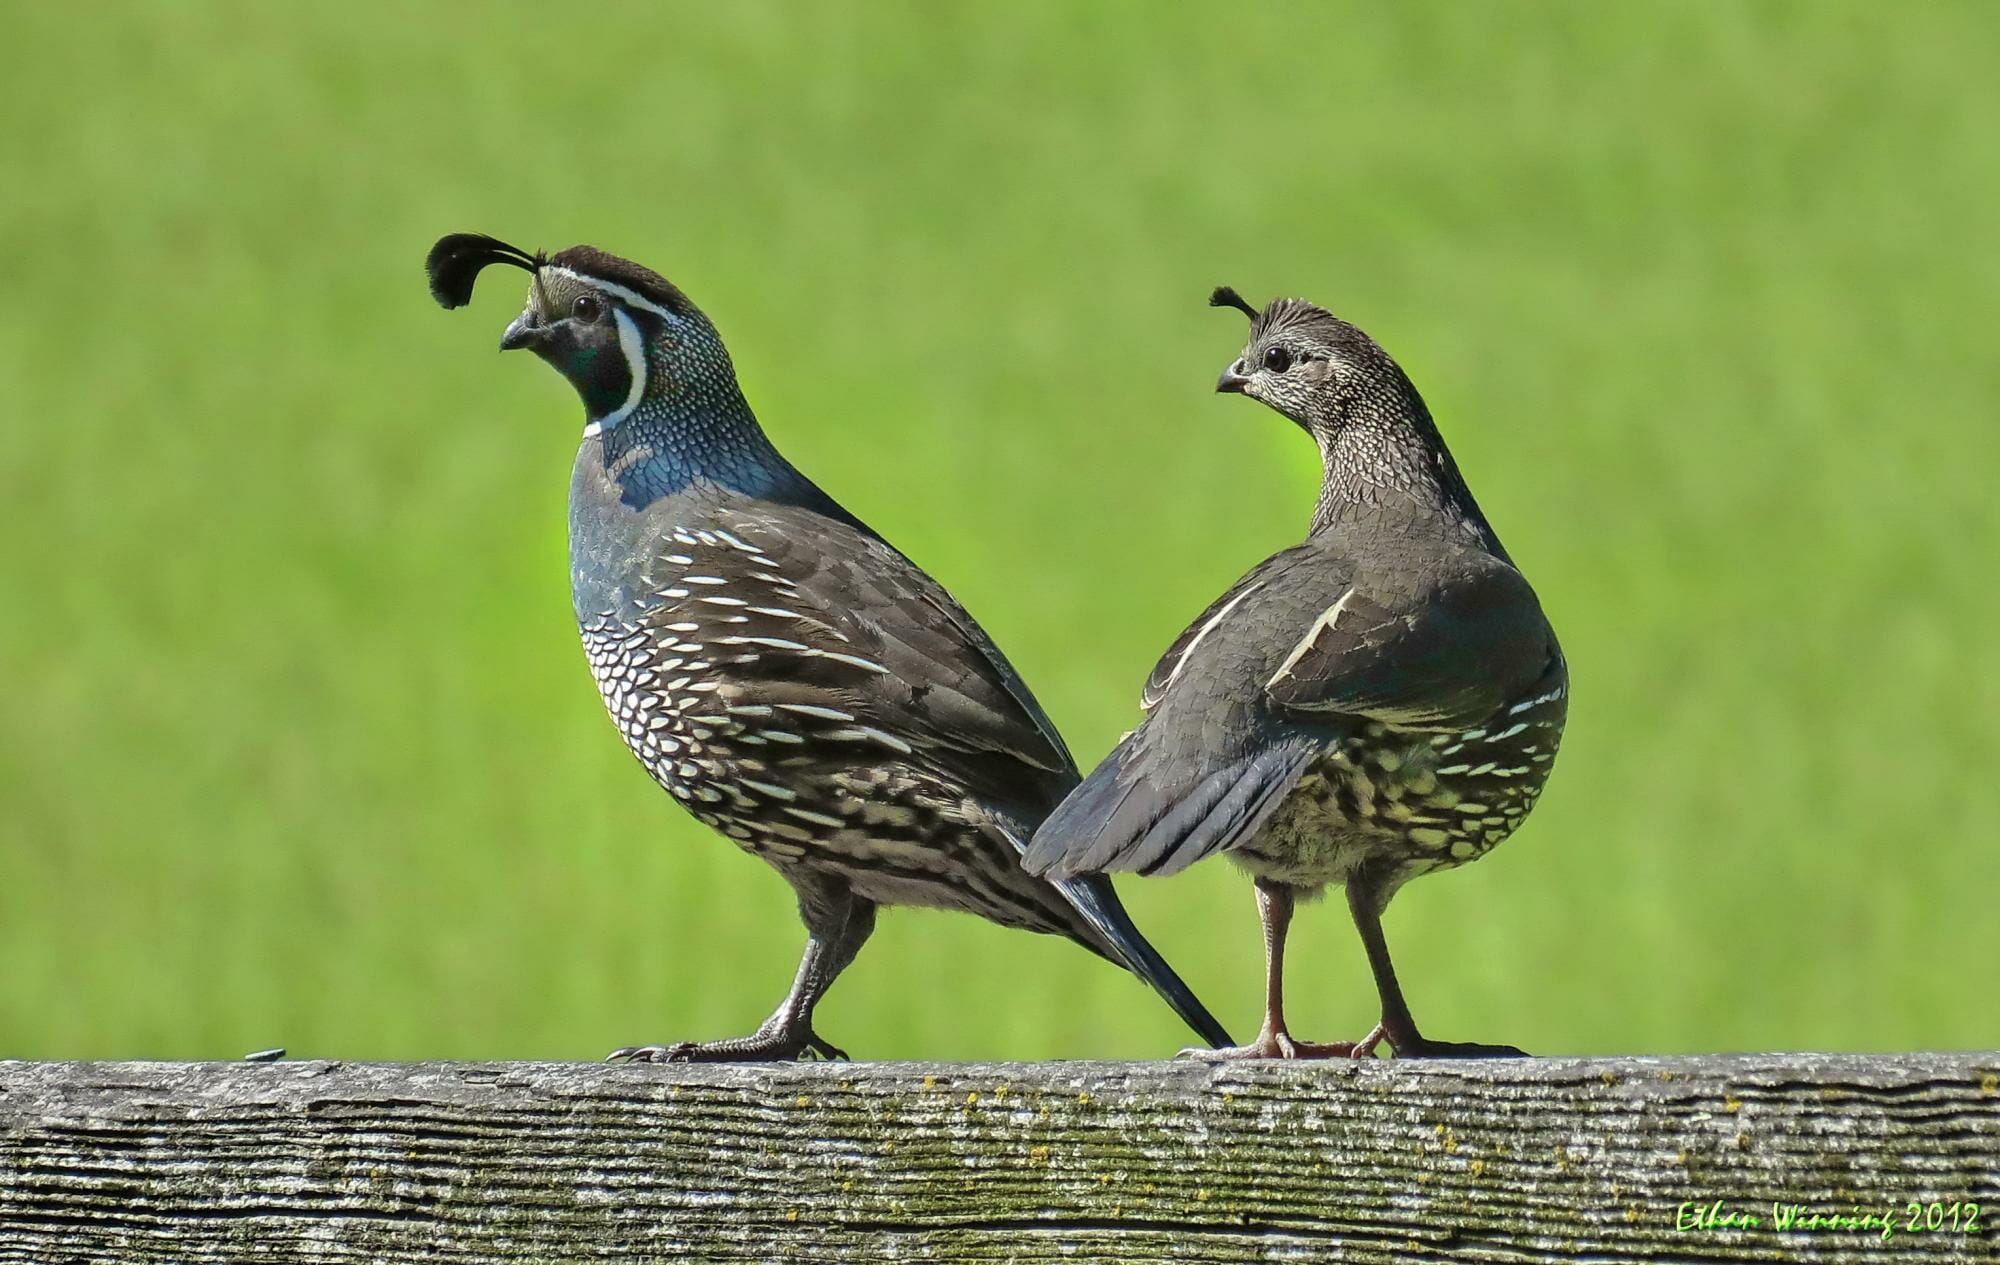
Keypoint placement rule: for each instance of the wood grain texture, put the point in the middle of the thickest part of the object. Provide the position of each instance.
(1502, 1161)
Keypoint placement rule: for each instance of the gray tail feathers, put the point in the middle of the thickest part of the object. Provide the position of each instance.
(1096, 900)
(1134, 813)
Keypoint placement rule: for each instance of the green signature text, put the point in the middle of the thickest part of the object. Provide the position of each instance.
(1889, 1220)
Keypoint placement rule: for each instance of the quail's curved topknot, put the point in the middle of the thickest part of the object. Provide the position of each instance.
(1280, 314)
(1226, 296)
(456, 261)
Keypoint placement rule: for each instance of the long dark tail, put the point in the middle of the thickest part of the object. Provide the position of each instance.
(1098, 902)
(1118, 939)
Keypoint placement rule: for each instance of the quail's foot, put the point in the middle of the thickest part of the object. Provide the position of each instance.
(1274, 1044)
(1414, 1045)
(761, 1046)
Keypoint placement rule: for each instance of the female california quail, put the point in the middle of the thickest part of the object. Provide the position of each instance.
(788, 676)
(1378, 702)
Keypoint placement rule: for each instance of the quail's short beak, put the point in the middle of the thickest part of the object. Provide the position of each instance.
(1233, 378)
(526, 331)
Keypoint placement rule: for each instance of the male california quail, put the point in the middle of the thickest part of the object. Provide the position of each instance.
(1378, 702)
(780, 669)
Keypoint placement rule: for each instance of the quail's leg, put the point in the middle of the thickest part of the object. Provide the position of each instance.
(1274, 906)
(1365, 900)
(837, 924)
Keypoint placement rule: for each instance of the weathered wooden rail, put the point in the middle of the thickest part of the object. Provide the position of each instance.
(1599, 1159)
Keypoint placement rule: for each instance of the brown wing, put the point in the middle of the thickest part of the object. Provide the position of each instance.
(852, 627)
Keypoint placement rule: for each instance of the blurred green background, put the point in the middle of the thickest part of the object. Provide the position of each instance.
(296, 743)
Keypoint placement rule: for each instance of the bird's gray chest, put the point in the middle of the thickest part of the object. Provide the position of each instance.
(1408, 801)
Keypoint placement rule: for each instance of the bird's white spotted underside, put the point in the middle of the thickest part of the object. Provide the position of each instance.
(728, 687)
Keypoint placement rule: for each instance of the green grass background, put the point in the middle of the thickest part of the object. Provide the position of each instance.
(296, 744)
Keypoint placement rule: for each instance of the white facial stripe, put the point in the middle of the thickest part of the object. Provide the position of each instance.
(634, 348)
(612, 288)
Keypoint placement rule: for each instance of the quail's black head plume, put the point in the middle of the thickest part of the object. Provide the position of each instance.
(1378, 702)
(777, 667)
(455, 263)
(1226, 296)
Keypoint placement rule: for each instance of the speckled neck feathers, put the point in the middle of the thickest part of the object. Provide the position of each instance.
(1384, 452)
(671, 443)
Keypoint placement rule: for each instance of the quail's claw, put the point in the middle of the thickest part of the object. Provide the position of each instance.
(766, 1045)
(823, 1049)
(1365, 1048)
(640, 1054)
(1411, 1044)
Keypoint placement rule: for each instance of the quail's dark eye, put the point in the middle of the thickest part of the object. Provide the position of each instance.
(1277, 360)
(586, 307)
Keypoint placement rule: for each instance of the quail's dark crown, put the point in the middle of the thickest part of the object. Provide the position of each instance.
(608, 271)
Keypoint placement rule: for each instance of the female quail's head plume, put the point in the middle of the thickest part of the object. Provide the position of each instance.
(796, 683)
